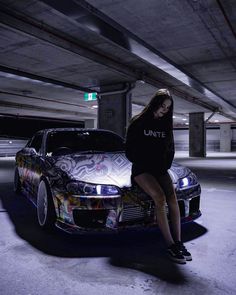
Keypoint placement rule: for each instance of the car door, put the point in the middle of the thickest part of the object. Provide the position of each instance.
(33, 165)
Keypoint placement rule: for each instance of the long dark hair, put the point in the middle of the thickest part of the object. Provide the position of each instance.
(156, 101)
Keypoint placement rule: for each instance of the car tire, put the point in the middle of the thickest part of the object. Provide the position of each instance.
(45, 208)
(17, 183)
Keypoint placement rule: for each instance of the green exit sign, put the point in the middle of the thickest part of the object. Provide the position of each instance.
(90, 96)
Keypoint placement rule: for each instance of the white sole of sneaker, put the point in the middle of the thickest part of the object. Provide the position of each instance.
(188, 258)
(180, 261)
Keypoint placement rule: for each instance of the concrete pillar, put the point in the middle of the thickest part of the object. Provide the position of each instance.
(90, 123)
(225, 137)
(114, 108)
(197, 135)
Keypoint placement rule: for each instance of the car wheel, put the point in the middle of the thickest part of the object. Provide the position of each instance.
(17, 183)
(45, 207)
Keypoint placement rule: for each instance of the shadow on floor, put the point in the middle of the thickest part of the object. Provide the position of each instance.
(142, 250)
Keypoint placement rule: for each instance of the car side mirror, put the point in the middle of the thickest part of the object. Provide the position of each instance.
(29, 151)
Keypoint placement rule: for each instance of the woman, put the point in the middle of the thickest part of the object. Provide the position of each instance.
(150, 148)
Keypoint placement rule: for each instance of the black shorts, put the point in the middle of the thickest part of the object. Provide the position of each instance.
(163, 178)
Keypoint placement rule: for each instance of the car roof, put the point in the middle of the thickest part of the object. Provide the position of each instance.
(73, 129)
(94, 130)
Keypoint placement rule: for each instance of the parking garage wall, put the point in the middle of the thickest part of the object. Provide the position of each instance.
(212, 139)
(10, 145)
(25, 127)
(15, 132)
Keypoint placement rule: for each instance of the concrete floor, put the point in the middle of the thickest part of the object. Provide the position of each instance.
(33, 262)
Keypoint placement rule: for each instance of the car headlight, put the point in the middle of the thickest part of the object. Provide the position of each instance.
(84, 188)
(187, 181)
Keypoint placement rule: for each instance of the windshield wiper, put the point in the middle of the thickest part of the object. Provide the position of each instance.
(99, 152)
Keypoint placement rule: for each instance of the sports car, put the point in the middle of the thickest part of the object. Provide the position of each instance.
(79, 180)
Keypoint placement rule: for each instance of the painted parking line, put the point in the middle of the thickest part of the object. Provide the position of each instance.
(213, 189)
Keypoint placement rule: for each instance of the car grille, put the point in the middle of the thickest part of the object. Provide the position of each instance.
(90, 218)
(181, 208)
(137, 213)
(131, 214)
(194, 205)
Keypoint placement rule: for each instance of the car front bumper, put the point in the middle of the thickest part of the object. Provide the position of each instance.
(77, 214)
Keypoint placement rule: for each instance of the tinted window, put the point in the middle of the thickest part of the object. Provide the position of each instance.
(36, 142)
(84, 141)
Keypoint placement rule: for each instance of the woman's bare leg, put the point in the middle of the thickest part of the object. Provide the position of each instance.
(174, 217)
(150, 185)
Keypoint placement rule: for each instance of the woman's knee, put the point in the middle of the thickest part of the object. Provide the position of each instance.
(160, 200)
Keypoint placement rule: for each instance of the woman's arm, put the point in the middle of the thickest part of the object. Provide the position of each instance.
(170, 151)
(133, 142)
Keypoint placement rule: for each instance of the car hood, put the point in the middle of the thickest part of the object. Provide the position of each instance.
(105, 168)
(100, 168)
(178, 171)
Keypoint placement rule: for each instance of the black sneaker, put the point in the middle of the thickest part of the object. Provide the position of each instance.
(183, 250)
(175, 254)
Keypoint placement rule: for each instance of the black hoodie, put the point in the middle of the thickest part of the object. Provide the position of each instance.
(150, 145)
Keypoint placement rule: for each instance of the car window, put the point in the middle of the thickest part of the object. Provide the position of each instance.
(75, 141)
(36, 142)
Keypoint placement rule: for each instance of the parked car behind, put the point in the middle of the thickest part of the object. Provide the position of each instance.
(79, 180)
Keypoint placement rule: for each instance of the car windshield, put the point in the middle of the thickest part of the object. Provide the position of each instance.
(65, 142)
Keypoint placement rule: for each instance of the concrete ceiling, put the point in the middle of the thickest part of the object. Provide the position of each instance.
(51, 52)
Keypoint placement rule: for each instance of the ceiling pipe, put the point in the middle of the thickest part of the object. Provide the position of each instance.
(210, 116)
(42, 99)
(23, 106)
(127, 89)
(34, 77)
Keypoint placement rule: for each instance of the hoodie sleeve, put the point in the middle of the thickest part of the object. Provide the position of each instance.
(170, 151)
(133, 138)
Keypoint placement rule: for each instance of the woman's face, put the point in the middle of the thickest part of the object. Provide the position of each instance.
(163, 109)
